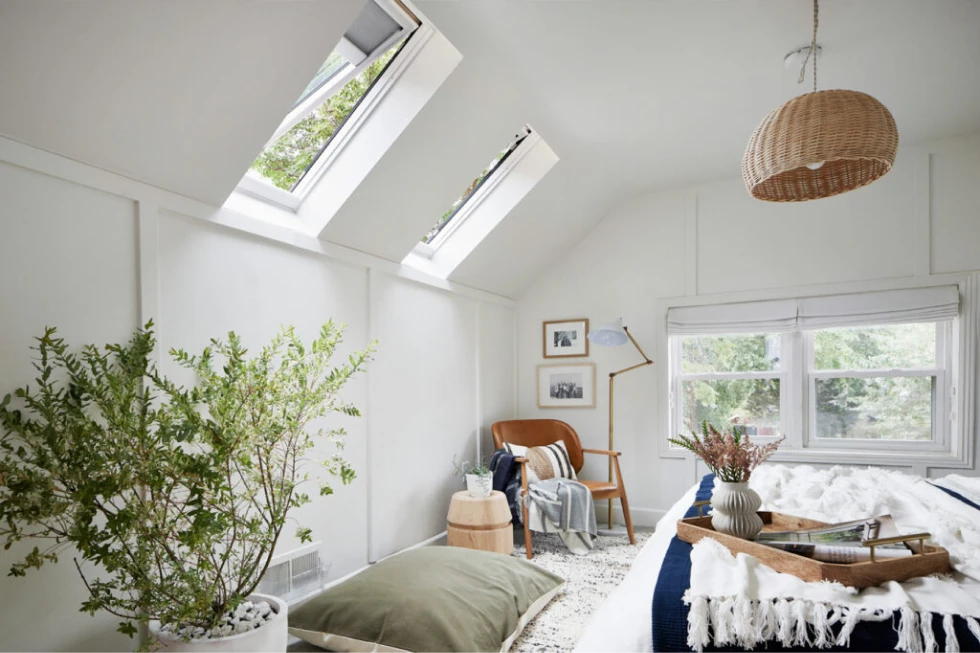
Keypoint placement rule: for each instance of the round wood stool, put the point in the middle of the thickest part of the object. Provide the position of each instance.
(480, 523)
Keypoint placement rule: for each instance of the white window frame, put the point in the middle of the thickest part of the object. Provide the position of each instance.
(962, 391)
(472, 203)
(253, 185)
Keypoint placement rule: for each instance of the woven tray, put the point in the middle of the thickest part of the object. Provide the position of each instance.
(932, 560)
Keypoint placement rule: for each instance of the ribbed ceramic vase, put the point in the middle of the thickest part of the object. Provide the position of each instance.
(734, 509)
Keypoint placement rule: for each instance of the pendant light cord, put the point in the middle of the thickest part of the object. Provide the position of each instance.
(812, 51)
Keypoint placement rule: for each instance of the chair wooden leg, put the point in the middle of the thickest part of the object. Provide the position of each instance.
(527, 529)
(527, 536)
(624, 502)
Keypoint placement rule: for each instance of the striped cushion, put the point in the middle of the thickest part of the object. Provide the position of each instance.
(549, 461)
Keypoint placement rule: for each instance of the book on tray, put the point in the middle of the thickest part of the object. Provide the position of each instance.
(842, 543)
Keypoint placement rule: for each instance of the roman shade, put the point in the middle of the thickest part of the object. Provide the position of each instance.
(886, 307)
(930, 304)
(748, 317)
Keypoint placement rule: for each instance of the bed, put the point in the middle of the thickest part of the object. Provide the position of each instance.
(646, 612)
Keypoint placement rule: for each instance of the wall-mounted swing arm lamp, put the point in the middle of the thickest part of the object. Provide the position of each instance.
(615, 334)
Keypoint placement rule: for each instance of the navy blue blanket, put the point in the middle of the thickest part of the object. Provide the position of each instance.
(670, 612)
(507, 479)
(956, 495)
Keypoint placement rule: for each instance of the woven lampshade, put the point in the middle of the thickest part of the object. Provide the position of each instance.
(851, 132)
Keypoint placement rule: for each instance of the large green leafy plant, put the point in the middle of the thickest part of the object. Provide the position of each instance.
(177, 495)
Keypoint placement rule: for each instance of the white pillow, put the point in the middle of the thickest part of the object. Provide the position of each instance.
(549, 461)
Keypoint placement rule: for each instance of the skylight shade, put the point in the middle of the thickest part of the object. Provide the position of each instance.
(372, 28)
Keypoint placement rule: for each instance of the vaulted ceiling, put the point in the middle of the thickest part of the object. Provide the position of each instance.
(632, 96)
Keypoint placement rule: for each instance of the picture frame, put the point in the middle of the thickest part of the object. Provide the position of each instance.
(565, 338)
(566, 385)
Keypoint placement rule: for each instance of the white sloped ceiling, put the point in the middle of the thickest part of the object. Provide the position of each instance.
(180, 94)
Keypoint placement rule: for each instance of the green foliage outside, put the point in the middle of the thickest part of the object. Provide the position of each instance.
(437, 227)
(881, 408)
(177, 496)
(893, 408)
(285, 161)
(752, 403)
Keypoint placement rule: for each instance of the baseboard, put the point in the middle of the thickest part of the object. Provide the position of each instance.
(435, 540)
(645, 517)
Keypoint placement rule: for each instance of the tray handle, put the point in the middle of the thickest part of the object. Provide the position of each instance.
(701, 504)
(913, 537)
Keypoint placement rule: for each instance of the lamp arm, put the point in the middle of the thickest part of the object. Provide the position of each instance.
(646, 359)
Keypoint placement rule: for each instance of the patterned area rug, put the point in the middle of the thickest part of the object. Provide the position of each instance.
(588, 580)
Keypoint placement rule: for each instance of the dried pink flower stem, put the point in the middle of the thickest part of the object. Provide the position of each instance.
(730, 456)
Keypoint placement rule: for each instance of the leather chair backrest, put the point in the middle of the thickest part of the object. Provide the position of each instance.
(537, 433)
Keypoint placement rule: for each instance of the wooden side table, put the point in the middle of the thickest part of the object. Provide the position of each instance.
(480, 523)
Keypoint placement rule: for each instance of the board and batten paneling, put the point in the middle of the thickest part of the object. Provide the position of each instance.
(424, 385)
(69, 260)
(214, 280)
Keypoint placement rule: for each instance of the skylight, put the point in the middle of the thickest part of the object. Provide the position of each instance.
(430, 236)
(343, 80)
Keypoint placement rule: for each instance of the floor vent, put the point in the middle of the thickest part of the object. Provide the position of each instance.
(295, 575)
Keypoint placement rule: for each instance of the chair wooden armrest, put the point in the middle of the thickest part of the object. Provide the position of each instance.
(603, 452)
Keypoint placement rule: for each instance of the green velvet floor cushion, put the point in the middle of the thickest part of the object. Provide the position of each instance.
(436, 598)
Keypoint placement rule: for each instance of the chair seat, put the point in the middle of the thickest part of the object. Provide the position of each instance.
(601, 489)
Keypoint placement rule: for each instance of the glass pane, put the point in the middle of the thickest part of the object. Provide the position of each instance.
(741, 353)
(284, 162)
(750, 403)
(330, 67)
(889, 347)
(889, 408)
(476, 183)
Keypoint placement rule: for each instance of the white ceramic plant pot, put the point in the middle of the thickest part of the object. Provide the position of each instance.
(734, 509)
(273, 635)
(479, 486)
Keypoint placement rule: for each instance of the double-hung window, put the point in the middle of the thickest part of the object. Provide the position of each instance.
(872, 371)
(288, 164)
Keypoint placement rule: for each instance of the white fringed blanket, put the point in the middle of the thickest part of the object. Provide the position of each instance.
(737, 600)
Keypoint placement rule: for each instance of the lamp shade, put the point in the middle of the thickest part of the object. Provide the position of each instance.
(818, 145)
(610, 334)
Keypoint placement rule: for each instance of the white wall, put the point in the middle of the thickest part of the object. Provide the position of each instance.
(922, 218)
(97, 255)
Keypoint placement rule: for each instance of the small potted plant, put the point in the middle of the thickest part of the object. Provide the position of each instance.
(479, 480)
(177, 497)
(731, 457)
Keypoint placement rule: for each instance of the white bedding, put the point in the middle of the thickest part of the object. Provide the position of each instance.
(623, 622)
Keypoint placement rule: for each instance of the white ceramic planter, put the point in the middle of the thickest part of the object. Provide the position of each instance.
(734, 509)
(479, 486)
(271, 636)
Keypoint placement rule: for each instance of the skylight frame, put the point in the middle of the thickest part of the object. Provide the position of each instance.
(255, 185)
(512, 156)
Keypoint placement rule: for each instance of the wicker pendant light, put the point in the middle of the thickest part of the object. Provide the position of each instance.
(819, 144)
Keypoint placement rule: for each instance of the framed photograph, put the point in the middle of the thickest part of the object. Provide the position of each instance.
(567, 385)
(566, 339)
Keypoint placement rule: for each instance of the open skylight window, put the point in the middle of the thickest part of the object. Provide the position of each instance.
(490, 198)
(432, 236)
(334, 94)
